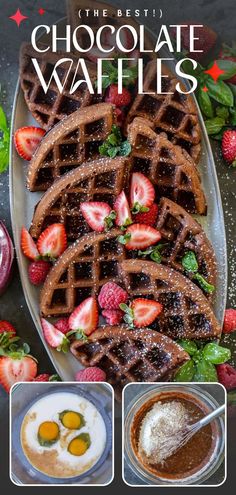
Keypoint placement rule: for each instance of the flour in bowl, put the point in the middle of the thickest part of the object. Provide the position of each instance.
(159, 430)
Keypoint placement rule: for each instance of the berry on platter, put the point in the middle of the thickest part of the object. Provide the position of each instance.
(45, 377)
(84, 319)
(139, 236)
(53, 241)
(226, 375)
(149, 217)
(98, 215)
(28, 245)
(113, 316)
(38, 271)
(92, 374)
(122, 209)
(56, 339)
(111, 296)
(119, 100)
(142, 193)
(63, 325)
(141, 313)
(27, 140)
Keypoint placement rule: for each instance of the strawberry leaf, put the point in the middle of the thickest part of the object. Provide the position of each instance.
(137, 208)
(80, 335)
(123, 239)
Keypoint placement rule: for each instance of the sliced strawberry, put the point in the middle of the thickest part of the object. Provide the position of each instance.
(22, 369)
(145, 311)
(85, 316)
(28, 246)
(27, 140)
(140, 236)
(142, 192)
(95, 214)
(122, 209)
(53, 241)
(54, 337)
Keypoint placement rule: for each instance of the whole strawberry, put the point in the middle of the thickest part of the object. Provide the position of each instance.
(229, 321)
(148, 217)
(38, 271)
(119, 100)
(205, 39)
(45, 377)
(6, 327)
(92, 374)
(111, 296)
(229, 147)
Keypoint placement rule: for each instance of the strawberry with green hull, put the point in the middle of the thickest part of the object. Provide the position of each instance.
(98, 215)
(7, 327)
(141, 313)
(142, 193)
(45, 377)
(84, 319)
(54, 338)
(53, 241)
(148, 217)
(139, 236)
(26, 141)
(37, 271)
(122, 209)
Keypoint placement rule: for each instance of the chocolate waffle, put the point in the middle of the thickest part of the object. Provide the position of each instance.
(49, 108)
(88, 264)
(125, 355)
(167, 165)
(175, 114)
(183, 234)
(74, 140)
(99, 180)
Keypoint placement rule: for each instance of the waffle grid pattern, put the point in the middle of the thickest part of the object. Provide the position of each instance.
(49, 108)
(173, 113)
(171, 170)
(129, 355)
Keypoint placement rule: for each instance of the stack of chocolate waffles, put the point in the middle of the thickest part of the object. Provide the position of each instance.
(164, 134)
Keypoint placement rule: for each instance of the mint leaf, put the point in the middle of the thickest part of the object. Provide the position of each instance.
(208, 288)
(189, 262)
(113, 145)
(125, 148)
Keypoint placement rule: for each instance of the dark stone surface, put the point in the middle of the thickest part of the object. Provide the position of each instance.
(220, 15)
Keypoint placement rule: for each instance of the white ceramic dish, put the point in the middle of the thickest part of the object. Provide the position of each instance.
(23, 203)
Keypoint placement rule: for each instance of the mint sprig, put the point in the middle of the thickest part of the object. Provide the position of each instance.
(190, 264)
(110, 74)
(113, 145)
(4, 141)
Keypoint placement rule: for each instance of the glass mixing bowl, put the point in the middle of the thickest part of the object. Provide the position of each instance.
(23, 396)
(209, 404)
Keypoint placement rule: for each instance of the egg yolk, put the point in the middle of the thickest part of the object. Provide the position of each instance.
(71, 420)
(79, 445)
(48, 433)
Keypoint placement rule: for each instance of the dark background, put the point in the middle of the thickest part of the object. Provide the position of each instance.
(220, 15)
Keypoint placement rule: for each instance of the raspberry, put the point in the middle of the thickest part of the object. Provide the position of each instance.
(92, 374)
(119, 100)
(113, 316)
(226, 375)
(111, 296)
(6, 327)
(42, 378)
(63, 325)
(148, 217)
(38, 271)
(229, 321)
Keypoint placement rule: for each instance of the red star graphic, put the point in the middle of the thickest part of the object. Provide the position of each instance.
(41, 11)
(205, 89)
(215, 72)
(18, 17)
